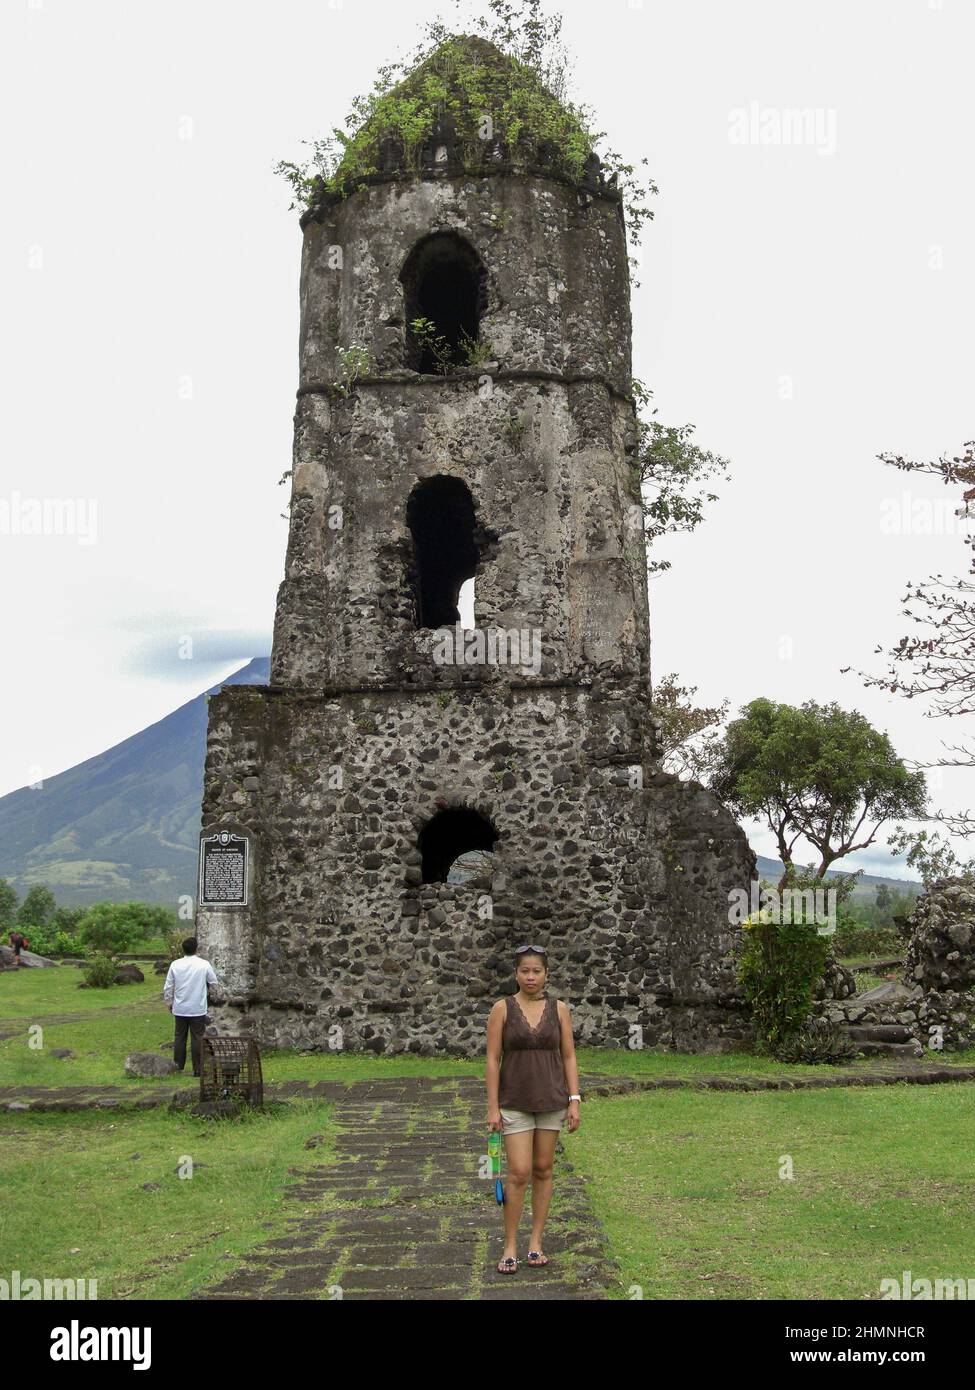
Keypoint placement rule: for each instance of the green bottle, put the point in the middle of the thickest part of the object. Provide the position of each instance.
(494, 1153)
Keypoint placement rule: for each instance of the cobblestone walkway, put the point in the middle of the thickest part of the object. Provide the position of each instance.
(405, 1215)
(883, 1072)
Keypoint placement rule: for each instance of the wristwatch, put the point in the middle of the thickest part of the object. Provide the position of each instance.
(578, 1098)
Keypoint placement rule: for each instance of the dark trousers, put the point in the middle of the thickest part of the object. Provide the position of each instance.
(194, 1026)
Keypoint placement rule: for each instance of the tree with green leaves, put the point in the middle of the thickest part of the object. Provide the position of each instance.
(672, 473)
(814, 773)
(8, 905)
(689, 734)
(38, 907)
(115, 927)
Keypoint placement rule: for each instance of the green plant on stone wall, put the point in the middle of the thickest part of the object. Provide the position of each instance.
(475, 351)
(505, 83)
(427, 339)
(353, 362)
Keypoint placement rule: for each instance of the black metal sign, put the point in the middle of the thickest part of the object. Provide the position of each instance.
(223, 870)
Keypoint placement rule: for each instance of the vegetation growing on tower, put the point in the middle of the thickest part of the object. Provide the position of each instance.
(500, 96)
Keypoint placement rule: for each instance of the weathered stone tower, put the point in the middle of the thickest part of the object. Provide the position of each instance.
(464, 412)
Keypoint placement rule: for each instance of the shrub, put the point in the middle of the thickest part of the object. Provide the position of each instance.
(855, 939)
(49, 941)
(779, 967)
(100, 970)
(117, 927)
(818, 1042)
(174, 943)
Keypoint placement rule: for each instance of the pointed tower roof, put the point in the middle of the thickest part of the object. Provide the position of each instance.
(467, 107)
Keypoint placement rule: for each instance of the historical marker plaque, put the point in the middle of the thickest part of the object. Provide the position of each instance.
(223, 870)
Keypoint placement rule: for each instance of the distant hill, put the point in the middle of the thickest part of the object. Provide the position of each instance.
(124, 824)
(866, 887)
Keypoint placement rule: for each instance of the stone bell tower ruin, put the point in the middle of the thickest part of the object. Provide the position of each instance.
(464, 413)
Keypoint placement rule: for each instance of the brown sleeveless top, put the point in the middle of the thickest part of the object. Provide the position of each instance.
(532, 1077)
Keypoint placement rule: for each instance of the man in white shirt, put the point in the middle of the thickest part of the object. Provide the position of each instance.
(185, 994)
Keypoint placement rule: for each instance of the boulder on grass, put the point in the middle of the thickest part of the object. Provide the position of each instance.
(129, 975)
(161, 966)
(28, 958)
(148, 1064)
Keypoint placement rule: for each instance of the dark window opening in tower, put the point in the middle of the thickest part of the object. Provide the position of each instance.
(440, 515)
(444, 286)
(452, 832)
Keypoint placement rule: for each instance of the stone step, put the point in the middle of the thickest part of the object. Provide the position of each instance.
(900, 1050)
(879, 1032)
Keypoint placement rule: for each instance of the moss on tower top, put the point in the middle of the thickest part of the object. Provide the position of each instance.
(466, 106)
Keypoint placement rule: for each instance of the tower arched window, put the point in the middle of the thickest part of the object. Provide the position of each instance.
(450, 833)
(444, 288)
(440, 515)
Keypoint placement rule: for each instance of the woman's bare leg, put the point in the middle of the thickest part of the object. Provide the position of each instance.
(543, 1156)
(518, 1152)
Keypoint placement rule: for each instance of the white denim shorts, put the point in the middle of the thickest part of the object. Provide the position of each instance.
(518, 1121)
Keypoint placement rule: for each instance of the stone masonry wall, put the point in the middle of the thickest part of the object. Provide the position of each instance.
(618, 881)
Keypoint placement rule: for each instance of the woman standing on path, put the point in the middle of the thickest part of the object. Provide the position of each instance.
(531, 1090)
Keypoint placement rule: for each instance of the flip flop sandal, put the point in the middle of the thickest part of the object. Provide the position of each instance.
(536, 1260)
(508, 1265)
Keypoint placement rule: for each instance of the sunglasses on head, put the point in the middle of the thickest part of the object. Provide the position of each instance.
(535, 950)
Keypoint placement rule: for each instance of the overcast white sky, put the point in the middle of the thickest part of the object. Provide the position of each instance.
(805, 305)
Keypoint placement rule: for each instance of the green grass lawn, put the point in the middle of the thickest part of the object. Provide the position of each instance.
(688, 1187)
(855, 962)
(865, 980)
(686, 1183)
(130, 1018)
(24, 993)
(79, 1208)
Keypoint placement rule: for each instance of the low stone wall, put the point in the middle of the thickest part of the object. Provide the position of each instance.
(935, 1000)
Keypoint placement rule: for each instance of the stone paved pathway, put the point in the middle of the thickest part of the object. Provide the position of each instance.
(882, 1072)
(404, 1214)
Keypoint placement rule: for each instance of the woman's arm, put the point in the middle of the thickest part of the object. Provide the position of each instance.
(492, 1071)
(570, 1066)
